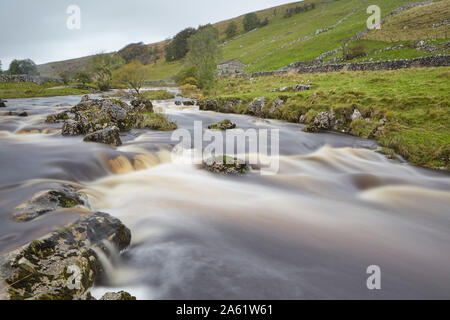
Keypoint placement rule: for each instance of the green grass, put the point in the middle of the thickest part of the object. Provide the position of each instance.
(256, 49)
(416, 103)
(12, 90)
(157, 95)
(156, 121)
(260, 50)
(415, 24)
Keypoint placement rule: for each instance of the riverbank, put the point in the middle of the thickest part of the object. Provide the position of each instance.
(405, 111)
(14, 90)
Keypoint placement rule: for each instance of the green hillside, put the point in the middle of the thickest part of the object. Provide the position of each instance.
(287, 40)
(308, 34)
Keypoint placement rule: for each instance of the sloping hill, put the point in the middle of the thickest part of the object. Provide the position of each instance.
(309, 34)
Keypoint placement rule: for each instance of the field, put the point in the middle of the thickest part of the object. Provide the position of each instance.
(415, 103)
(28, 90)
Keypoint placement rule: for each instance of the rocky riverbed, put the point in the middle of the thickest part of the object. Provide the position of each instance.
(136, 217)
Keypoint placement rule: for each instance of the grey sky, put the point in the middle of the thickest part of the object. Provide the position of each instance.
(36, 29)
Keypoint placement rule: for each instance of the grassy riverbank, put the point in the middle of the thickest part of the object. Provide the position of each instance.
(414, 102)
(12, 90)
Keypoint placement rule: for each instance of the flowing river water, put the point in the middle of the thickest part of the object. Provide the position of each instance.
(335, 207)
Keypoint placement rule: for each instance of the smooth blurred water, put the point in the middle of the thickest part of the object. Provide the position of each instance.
(309, 232)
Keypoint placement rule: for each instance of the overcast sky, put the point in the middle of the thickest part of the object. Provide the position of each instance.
(37, 29)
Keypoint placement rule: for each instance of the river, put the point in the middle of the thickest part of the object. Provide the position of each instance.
(334, 208)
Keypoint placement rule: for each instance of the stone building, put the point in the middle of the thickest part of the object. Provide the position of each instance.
(230, 67)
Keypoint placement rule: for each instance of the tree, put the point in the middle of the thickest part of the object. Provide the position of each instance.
(204, 53)
(136, 51)
(1, 67)
(23, 67)
(101, 66)
(251, 21)
(65, 76)
(83, 77)
(178, 47)
(131, 75)
(231, 30)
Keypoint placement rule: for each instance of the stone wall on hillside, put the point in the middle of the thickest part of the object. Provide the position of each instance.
(426, 62)
(27, 78)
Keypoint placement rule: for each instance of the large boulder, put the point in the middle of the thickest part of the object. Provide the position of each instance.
(2, 103)
(110, 135)
(322, 121)
(65, 264)
(92, 115)
(49, 201)
(141, 105)
(256, 106)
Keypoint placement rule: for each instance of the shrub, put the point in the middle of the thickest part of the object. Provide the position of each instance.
(156, 121)
(191, 81)
(354, 52)
(251, 21)
(231, 30)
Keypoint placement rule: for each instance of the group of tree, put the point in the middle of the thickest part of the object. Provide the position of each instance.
(131, 75)
(178, 47)
(203, 55)
(297, 9)
(26, 66)
(100, 68)
(232, 30)
(141, 52)
(251, 21)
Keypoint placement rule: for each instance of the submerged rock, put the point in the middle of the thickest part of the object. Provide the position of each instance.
(122, 295)
(110, 135)
(223, 125)
(64, 264)
(226, 165)
(49, 201)
(189, 103)
(208, 105)
(55, 118)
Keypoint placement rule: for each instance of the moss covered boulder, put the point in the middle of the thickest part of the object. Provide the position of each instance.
(65, 264)
(110, 135)
(223, 125)
(226, 165)
(45, 202)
